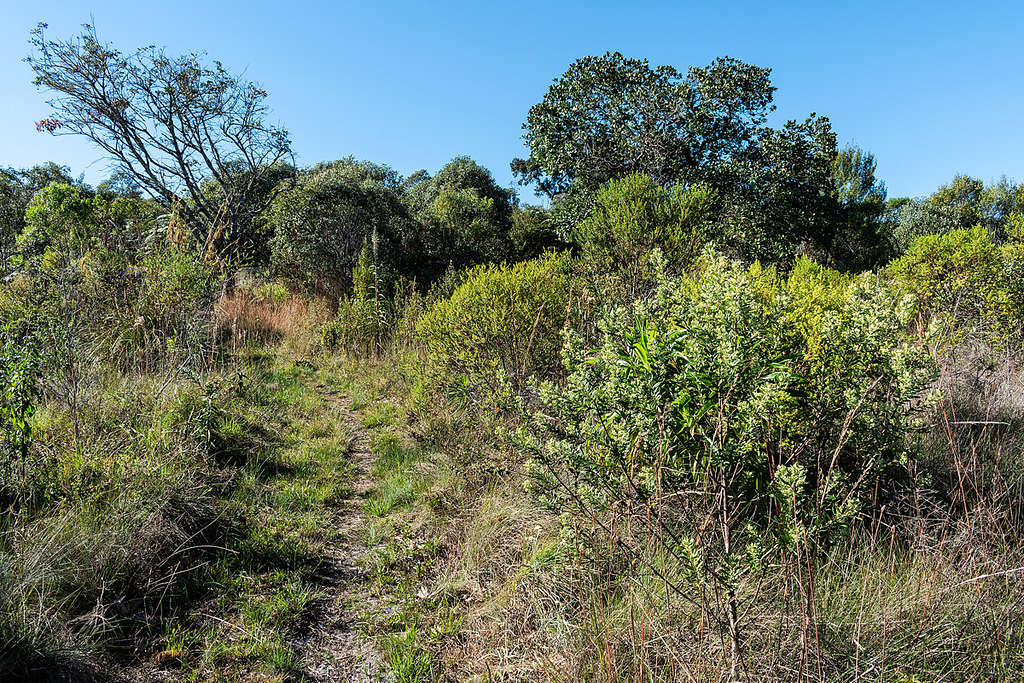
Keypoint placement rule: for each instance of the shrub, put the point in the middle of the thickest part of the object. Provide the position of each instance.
(960, 279)
(19, 367)
(165, 312)
(500, 325)
(706, 423)
(634, 215)
(368, 319)
(814, 290)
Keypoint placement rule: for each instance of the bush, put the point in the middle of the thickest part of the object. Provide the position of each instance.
(961, 280)
(19, 368)
(165, 312)
(501, 324)
(367, 320)
(705, 410)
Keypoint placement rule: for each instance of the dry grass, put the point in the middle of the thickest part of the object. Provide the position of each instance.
(244, 318)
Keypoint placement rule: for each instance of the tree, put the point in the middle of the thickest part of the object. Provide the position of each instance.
(322, 224)
(463, 217)
(170, 124)
(17, 187)
(971, 202)
(861, 239)
(777, 195)
(610, 116)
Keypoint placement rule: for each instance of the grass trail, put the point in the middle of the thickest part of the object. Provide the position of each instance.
(288, 598)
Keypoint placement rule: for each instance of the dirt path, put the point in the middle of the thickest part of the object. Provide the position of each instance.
(336, 647)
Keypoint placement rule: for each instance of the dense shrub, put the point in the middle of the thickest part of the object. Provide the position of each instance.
(533, 231)
(168, 313)
(633, 215)
(500, 326)
(707, 409)
(963, 280)
(362, 318)
(19, 386)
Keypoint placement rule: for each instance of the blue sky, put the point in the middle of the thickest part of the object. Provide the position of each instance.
(933, 88)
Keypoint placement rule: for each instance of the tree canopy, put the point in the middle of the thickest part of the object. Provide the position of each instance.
(609, 116)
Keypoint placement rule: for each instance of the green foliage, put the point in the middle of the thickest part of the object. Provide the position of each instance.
(909, 219)
(861, 240)
(19, 369)
(321, 225)
(814, 290)
(609, 116)
(705, 398)
(501, 325)
(634, 215)
(970, 202)
(177, 289)
(778, 194)
(463, 218)
(358, 324)
(16, 191)
(533, 232)
(60, 217)
(963, 280)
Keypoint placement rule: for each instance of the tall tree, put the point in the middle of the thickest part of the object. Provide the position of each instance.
(171, 124)
(861, 238)
(610, 116)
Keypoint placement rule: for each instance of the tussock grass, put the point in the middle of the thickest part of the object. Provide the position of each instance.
(184, 523)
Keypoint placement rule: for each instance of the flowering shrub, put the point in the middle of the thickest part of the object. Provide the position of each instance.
(499, 327)
(707, 409)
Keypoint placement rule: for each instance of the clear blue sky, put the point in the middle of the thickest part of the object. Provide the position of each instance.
(933, 88)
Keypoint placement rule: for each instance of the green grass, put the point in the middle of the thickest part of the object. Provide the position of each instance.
(408, 660)
(204, 503)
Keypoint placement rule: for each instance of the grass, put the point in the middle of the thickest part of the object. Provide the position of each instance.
(186, 528)
(263, 582)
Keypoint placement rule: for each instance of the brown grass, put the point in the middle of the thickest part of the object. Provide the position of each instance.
(243, 318)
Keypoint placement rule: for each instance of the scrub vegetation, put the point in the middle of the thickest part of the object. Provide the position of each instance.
(719, 410)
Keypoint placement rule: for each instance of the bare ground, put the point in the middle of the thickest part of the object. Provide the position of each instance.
(335, 646)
